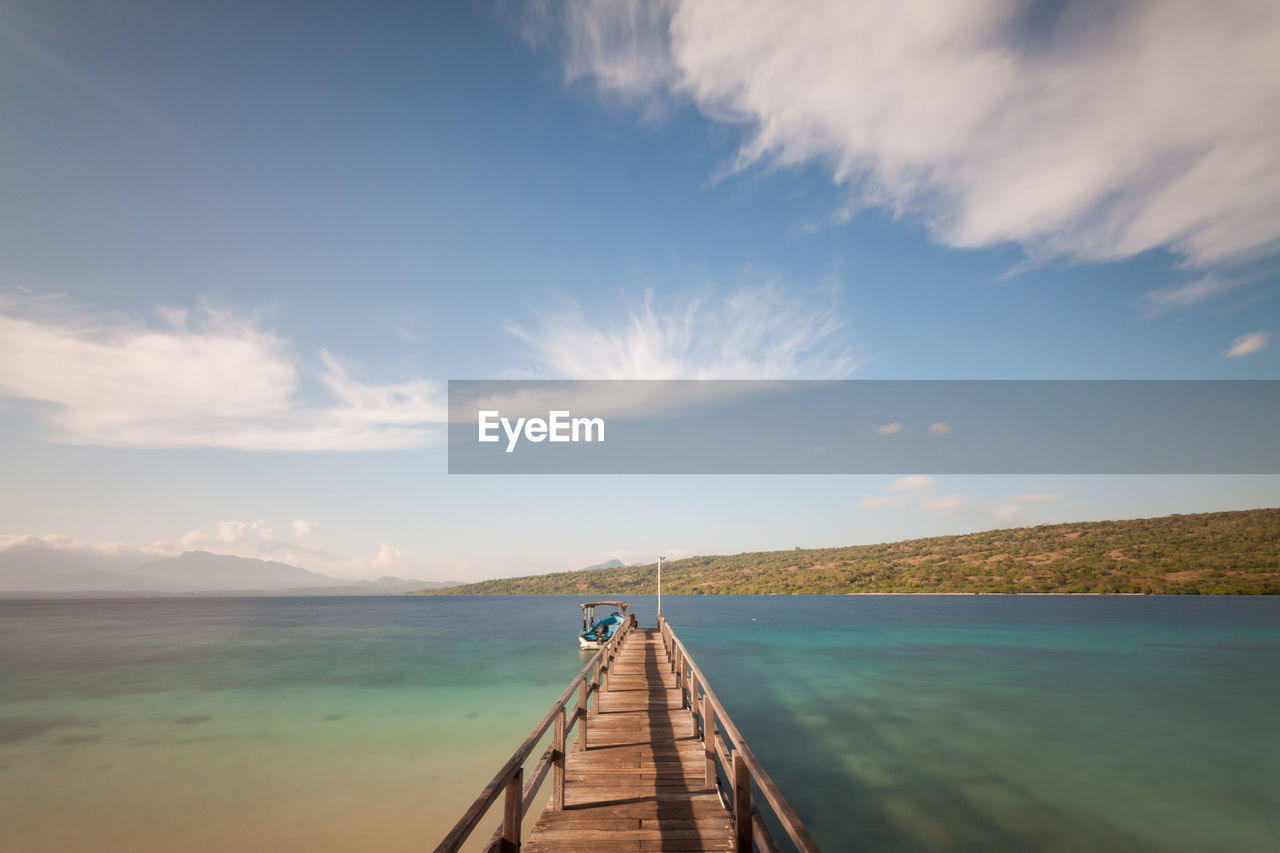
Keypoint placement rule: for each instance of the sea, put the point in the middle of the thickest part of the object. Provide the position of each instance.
(890, 723)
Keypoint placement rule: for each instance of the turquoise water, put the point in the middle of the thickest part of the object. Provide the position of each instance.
(890, 722)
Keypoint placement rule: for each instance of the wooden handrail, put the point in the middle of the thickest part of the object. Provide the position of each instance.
(738, 762)
(510, 778)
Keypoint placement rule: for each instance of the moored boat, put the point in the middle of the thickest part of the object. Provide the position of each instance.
(595, 633)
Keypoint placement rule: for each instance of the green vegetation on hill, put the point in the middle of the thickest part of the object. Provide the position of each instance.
(1209, 553)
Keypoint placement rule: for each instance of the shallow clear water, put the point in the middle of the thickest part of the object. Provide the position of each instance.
(890, 722)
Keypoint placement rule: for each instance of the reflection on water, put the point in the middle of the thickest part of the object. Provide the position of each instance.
(891, 723)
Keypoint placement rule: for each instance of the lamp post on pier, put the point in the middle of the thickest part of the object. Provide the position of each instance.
(660, 559)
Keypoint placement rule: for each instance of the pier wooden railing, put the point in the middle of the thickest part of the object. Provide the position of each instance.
(724, 743)
(519, 795)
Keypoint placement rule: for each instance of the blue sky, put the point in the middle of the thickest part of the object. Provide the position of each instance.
(243, 248)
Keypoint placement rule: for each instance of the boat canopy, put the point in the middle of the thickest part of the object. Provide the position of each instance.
(623, 605)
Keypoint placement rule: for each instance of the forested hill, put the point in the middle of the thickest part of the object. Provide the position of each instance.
(1218, 552)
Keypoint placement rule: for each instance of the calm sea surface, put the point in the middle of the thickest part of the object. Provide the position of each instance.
(892, 723)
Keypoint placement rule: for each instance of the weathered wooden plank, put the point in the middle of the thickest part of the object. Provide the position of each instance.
(698, 804)
(579, 834)
(666, 845)
(703, 819)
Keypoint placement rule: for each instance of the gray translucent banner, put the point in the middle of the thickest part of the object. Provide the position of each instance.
(864, 427)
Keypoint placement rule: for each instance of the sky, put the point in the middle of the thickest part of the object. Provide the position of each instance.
(243, 248)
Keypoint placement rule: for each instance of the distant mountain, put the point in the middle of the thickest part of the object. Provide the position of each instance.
(1216, 552)
(386, 585)
(612, 564)
(41, 569)
(200, 570)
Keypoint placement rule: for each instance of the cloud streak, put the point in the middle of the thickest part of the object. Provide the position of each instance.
(1249, 344)
(1091, 131)
(206, 380)
(1176, 296)
(762, 333)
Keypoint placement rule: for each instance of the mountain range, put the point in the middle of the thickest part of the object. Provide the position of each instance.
(1204, 553)
(41, 569)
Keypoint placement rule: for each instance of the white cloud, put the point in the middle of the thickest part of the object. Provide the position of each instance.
(302, 528)
(1086, 130)
(912, 483)
(916, 492)
(940, 428)
(889, 429)
(388, 557)
(920, 493)
(213, 380)
(946, 504)
(231, 531)
(226, 534)
(152, 550)
(1247, 344)
(620, 43)
(754, 333)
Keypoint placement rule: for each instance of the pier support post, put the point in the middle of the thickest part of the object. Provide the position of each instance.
(709, 738)
(557, 765)
(581, 743)
(599, 681)
(741, 804)
(511, 809)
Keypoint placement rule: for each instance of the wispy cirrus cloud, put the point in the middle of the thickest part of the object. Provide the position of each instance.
(44, 61)
(203, 379)
(620, 44)
(761, 333)
(1164, 299)
(1062, 127)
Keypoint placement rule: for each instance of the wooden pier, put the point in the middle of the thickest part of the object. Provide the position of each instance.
(642, 782)
(656, 765)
